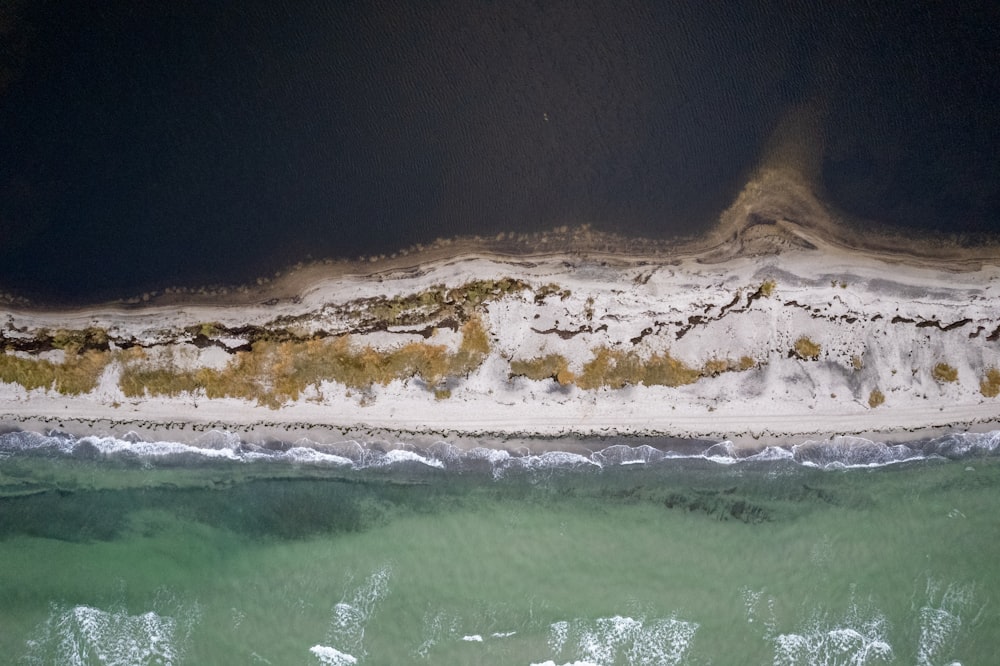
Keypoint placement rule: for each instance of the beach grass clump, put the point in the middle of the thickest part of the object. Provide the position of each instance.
(716, 366)
(990, 386)
(481, 291)
(209, 329)
(273, 372)
(75, 340)
(434, 303)
(551, 366)
(875, 398)
(944, 373)
(551, 289)
(408, 309)
(857, 362)
(77, 374)
(806, 349)
(767, 288)
(614, 368)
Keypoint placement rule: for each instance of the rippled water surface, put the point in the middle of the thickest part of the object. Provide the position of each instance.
(118, 551)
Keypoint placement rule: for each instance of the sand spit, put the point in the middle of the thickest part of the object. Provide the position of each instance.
(776, 328)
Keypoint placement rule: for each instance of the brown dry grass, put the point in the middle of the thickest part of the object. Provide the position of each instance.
(74, 340)
(552, 366)
(274, 372)
(875, 398)
(990, 386)
(77, 374)
(806, 349)
(943, 372)
(615, 369)
(435, 302)
(716, 366)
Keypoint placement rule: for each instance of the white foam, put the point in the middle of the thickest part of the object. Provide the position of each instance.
(964, 444)
(329, 656)
(302, 454)
(84, 634)
(611, 640)
(473, 638)
(771, 453)
(111, 446)
(553, 459)
(838, 453)
(852, 452)
(351, 614)
(402, 455)
(437, 626)
(494, 456)
(858, 639)
(941, 620)
(835, 646)
(622, 454)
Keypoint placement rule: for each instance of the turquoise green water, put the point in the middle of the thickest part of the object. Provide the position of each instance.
(682, 562)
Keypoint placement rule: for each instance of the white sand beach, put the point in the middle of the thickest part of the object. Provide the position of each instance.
(898, 344)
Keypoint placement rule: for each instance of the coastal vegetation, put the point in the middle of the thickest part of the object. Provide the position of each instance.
(550, 366)
(440, 301)
(875, 398)
(273, 372)
(990, 386)
(806, 349)
(944, 373)
(78, 372)
(614, 368)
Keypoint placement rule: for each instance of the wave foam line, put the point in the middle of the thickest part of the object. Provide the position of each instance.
(837, 453)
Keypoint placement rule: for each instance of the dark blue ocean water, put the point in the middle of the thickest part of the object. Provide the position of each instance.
(147, 145)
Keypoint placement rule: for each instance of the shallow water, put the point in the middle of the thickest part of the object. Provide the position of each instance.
(114, 554)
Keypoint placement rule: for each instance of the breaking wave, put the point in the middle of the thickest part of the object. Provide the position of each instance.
(610, 640)
(836, 453)
(349, 620)
(85, 634)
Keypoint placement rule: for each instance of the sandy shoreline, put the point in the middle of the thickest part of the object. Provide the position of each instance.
(533, 437)
(710, 330)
